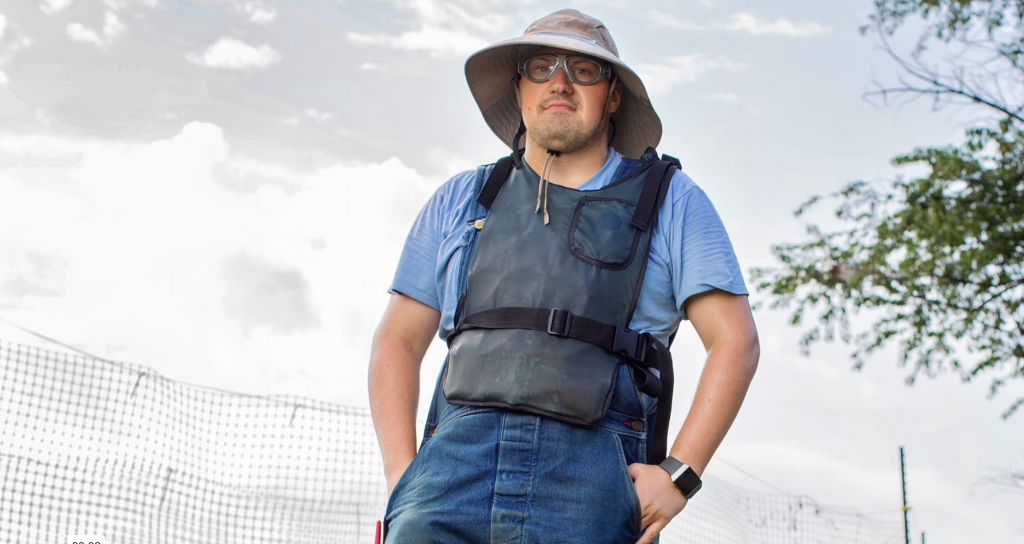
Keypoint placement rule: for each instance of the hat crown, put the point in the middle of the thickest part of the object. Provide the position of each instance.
(573, 24)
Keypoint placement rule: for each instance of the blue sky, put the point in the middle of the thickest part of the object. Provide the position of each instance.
(220, 190)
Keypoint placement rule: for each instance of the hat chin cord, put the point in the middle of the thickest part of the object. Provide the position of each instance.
(542, 187)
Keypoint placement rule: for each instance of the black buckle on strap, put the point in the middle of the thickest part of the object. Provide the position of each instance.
(631, 343)
(551, 322)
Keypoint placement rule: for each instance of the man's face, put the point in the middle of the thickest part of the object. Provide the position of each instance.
(563, 115)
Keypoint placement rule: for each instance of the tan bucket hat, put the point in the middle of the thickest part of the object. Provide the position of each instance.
(491, 70)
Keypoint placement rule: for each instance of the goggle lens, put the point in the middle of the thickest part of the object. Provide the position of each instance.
(580, 69)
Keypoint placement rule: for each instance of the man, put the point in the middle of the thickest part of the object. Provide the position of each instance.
(558, 311)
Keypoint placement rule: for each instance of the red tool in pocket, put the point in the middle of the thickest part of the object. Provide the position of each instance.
(376, 539)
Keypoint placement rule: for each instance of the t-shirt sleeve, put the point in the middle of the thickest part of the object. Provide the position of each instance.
(415, 276)
(702, 254)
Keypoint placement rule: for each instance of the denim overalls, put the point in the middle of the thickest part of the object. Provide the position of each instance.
(489, 475)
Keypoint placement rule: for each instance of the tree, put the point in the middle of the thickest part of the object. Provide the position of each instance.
(939, 260)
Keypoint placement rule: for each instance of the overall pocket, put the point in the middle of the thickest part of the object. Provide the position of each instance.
(632, 499)
(601, 233)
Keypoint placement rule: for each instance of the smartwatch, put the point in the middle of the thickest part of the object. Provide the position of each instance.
(682, 475)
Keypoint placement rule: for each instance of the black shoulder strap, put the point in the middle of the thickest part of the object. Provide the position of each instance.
(663, 413)
(661, 171)
(494, 182)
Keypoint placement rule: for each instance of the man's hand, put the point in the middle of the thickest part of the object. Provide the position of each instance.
(393, 477)
(660, 499)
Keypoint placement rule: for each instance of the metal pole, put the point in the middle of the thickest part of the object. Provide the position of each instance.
(903, 475)
(922, 537)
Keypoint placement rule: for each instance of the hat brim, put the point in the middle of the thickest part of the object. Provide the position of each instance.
(491, 71)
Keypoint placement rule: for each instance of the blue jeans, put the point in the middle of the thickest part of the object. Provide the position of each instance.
(489, 475)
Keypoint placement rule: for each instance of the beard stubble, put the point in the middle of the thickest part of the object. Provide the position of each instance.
(563, 131)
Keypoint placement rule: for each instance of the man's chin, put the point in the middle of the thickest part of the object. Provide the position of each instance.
(557, 139)
(567, 143)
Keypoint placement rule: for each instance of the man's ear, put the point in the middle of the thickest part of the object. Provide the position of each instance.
(615, 99)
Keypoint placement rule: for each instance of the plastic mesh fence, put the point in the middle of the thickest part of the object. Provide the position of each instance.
(93, 447)
(726, 514)
(90, 447)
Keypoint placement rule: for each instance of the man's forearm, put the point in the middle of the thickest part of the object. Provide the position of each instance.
(723, 385)
(394, 394)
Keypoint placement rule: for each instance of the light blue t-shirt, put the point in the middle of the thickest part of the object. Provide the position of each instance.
(690, 252)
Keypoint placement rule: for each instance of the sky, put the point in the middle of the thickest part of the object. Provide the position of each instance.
(220, 190)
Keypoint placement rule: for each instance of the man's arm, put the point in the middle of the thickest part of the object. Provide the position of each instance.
(401, 340)
(726, 328)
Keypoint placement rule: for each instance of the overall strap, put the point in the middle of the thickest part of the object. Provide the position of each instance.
(478, 209)
(494, 182)
(662, 171)
(437, 400)
(659, 442)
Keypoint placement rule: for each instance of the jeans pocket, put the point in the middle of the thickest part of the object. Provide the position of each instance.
(632, 498)
(601, 232)
(396, 491)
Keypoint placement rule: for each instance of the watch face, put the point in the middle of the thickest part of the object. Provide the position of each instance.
(694, 490)
(682, 475)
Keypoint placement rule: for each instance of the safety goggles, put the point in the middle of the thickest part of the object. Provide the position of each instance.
(581, 70)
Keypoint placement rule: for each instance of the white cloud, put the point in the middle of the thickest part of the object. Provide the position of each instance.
(673, 71)
(745, 22)
(441, 29)
(732, 99)
(439, 42)
(668, 20)
(81, 33)
(9, 46)
(725, 98)
(113, 29)
(318, 116)
(233, 54)
(262, 16)
(315, 115)
(188, 259)
(49, 7)
(112, 26)
(369, 66)
(256, 12)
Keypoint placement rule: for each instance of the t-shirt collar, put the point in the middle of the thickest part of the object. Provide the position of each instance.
(603, 176)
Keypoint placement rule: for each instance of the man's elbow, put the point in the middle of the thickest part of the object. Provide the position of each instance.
(753, 352)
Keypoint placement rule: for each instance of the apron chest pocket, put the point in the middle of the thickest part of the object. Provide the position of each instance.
(601, 233)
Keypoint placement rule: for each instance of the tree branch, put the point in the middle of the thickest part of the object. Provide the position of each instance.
(940, 87)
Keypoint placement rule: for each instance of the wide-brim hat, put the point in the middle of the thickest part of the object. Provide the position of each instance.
(491, 71)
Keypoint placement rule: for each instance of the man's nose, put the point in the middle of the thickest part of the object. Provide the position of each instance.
(560, 81)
